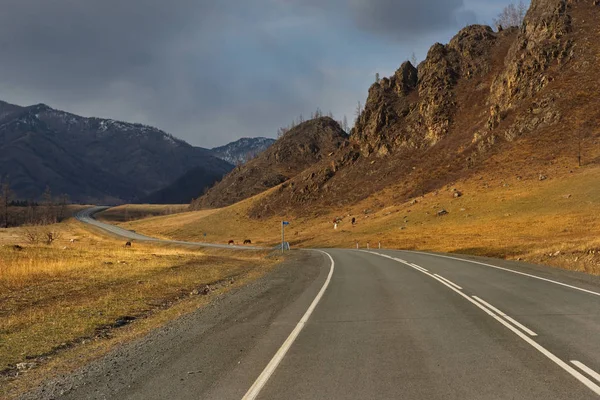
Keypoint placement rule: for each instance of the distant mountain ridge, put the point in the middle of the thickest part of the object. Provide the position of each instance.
(93, 160)
(243, 150)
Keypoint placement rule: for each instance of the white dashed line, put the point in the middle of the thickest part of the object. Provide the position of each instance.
(449, 281)
(572, 371)
(508, 270)
(586, 369)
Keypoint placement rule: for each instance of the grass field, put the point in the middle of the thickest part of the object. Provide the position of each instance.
(64, 303)
(511, 215)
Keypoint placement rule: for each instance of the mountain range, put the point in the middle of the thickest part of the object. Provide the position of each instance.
(243, 150)
(95, 160)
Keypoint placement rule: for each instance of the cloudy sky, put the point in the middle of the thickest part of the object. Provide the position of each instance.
(212, 71)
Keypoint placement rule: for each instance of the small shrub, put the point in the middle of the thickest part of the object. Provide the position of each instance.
(30, 235)
(51, 236)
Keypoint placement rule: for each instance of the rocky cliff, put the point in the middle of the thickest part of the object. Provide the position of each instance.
(485, 93)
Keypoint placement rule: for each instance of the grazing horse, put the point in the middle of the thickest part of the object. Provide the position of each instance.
(128, 244)
(247, 241)
(231, 242)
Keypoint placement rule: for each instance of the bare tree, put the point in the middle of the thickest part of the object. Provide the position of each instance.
(345, 126)
(413, 59)
(63, 201)
(5, 198)
(282, 131)
(52, 236)
(512, 15)
(48, 213)
(358, 111)
(31, 212)
(377, 78)
(30, 234)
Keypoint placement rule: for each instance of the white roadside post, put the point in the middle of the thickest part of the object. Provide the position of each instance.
(283, 224)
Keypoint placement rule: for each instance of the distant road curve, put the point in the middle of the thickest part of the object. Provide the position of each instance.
(87, 216)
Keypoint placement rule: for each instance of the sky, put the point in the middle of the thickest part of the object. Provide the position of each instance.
(210, 72)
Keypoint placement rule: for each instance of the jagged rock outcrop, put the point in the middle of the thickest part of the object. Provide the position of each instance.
(305, 145)
(387, 104)
(414, 108)
(541, 42)
(458, 112)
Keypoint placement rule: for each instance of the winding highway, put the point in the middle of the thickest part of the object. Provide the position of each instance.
(372, 324)
(87, 216)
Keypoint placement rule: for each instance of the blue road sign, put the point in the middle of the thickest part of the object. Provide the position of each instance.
(285, 223)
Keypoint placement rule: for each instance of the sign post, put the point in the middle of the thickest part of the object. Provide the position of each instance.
(283, 224)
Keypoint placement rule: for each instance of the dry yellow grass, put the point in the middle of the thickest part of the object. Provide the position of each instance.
(131, 212)
(67, 297)
(503, 215)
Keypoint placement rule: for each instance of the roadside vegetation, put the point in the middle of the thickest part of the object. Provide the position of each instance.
(66, 301)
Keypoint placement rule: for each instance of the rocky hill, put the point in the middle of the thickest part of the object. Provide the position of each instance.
(308, 143)
(243, 150)
(93, 160)
(528, 93)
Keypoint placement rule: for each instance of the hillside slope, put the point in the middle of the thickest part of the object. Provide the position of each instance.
(190, 186)
(484, 93)
(301, 147)
(479, 154)
(92, 160)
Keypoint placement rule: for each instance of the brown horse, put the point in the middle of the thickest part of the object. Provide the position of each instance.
(231, 242)
(247, 241)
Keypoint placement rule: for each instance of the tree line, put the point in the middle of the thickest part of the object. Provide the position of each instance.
(49, 210)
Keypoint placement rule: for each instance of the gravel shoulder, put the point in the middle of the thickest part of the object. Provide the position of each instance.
(220, 348)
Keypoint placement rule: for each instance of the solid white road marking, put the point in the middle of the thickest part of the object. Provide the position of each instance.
(270, 368)
(523, 327)
(572, 371)
(449, 281)
(586, 369)
(509, 270)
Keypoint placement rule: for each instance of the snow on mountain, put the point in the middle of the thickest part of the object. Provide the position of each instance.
(243, 150)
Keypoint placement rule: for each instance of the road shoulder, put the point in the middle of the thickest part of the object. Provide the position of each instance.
(196, 353)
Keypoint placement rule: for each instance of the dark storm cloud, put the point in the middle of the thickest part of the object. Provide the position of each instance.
(207, 71)
(401, 18)
(398, 18)
(52, 42)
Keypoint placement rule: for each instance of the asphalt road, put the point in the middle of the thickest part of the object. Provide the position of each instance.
(379, 324)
